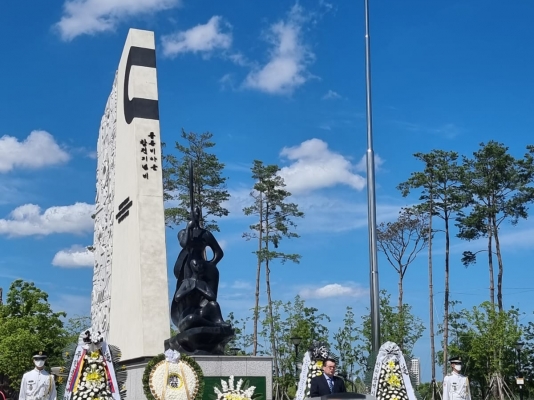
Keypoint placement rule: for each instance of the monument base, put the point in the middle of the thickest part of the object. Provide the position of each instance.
(251, 367)
(134, 381)
(257, 369)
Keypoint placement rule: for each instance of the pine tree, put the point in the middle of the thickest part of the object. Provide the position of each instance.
(442, 197)
(210, 186)
(275, 221)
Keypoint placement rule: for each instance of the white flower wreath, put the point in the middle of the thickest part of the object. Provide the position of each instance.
(173, 381)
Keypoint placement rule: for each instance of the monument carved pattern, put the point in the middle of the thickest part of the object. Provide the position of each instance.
(104, 214)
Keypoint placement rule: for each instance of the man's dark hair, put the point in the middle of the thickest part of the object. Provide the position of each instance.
(331, 360)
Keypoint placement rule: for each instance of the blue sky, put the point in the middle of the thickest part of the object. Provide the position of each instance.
(282, 82)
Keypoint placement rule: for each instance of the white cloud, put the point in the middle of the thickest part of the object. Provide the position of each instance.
(362, 165)
(289, 57)
(337, 214)
(511, 239)
(242, 285)
(95, 16)
(28, 220)
(315, 166)
(333, 290)
(75, 257)
(239, 198)
(331, 95)
(38, 150)
(201, 38)
(447, 130)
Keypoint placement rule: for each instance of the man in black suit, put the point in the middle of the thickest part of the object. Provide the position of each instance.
(327, 383)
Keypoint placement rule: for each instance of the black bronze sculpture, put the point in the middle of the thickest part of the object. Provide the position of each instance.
(194, 309)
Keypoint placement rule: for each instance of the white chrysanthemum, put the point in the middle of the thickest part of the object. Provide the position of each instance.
(229, 392)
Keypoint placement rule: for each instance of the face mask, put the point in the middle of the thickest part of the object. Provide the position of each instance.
(39, 363)
(458, 367)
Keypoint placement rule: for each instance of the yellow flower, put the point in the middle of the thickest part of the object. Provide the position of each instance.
(391, 364)
(319, 363)
(393, 380)
(94, 355)
(93, 376)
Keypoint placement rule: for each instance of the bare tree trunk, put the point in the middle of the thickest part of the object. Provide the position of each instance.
(446, 295)
(271, 322)
(431, 302)
(269, 300)
(490, 264)
(499, 260)
(401, 293)
(401, 315)
(258, 272)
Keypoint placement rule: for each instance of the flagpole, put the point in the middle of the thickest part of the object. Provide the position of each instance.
(371, 199)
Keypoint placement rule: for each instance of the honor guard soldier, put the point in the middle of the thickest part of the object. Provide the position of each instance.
(38, 384)
(456, 385)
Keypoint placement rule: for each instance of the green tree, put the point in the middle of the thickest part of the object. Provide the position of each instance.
(241, 341)
(394, 326)
(526, 360)
(425, 390)
(209, 184)
(499, 187)
(442, 197)
(346, 340)
(275, 221)
(28, 324)
(76, 325)
(485, 337)
(289, 320)
(401, 241)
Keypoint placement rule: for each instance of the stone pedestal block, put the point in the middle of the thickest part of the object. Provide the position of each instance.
(134, 381)
(242, 366)
(212, 366)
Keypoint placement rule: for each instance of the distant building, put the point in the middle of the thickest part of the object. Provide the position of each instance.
(415, 369)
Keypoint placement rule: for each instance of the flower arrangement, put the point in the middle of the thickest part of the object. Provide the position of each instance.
(163, 380)
(173, 381)
(94, 371)
(315, 369)
(93, 380)
(241, 391)
(391, 384)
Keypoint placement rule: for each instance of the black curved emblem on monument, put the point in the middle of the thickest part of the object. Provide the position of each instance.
(194, 309)
(138, 107)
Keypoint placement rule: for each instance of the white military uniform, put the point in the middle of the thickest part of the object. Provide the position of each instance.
(456, 387)
(37, 385)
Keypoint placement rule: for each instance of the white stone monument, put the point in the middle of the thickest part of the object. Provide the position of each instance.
(130, 300)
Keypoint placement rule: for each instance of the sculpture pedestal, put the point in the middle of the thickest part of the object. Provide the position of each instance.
(254, 369)
(134, 381)
(203, 340)
(258, 371)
